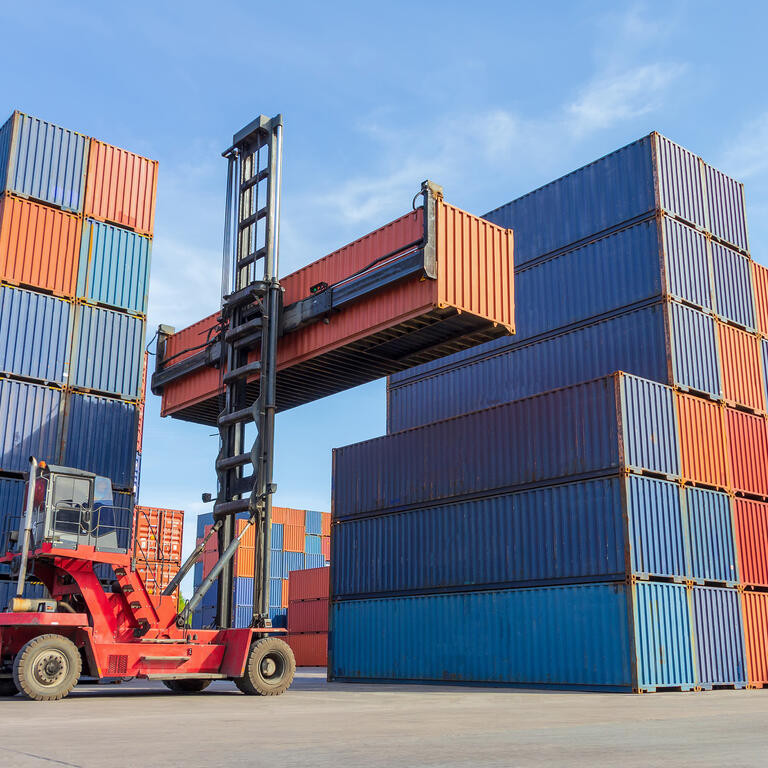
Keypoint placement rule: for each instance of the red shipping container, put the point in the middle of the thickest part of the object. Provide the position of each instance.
(39, 246)
(159, 533)
(284, 599)
(293, 538)
(755, 615)
(474, 278)
(157, 575)
(760, 282)
(702, 441)
(310, 650)
(325, 520)
(309, 584)
(741, 367)
(750, 519)
(308, 616)
(325, 547)
(747, 441)
(121, 187)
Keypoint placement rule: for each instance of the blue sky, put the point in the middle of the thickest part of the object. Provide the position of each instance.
(490, 101)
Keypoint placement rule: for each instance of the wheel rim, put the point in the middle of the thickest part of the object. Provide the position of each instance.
(50, 667)
(272, 667)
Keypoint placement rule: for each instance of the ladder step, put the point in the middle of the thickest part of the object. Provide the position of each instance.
(253, 218)
(243, 330)
(251, 257)
(231, 507)
(236, 417)
(177, 659)
(232, 462)
(188, 676)
(260, 176)
(242, 372)
(248, 341)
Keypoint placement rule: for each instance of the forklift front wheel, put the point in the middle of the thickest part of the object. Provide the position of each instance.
(47, 668)
(186, 686)
(269, 668)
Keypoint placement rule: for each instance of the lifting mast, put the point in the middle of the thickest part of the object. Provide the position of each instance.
(251, 307)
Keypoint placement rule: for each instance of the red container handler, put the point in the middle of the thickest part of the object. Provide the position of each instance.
(741, 367)
(121, 187)
(750, 521)
(755, 620)
(308, 615)
(309, 584)
(747, 447)
(310, 649)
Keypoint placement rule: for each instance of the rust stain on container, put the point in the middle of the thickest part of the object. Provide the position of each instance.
(702, 441)
(472, 300)
(39, 246)
(121, 187)
(755, 614)
(750, 519)
(747, 445)
(741, 369)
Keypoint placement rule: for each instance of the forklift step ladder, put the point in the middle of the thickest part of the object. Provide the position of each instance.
(251, 306)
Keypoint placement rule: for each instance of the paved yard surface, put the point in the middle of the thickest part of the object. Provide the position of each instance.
(316, 724)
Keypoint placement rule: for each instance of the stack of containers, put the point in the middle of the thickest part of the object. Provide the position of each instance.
(308, 616)
(159, 534)
(300, 539)
(76, 219)
(600, 511)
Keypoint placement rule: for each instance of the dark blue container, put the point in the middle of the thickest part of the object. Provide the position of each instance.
(665, 342)
(101, 437)
(596, 428)
(277, 565)
(732, 278)
(12, 501)
(719, 635)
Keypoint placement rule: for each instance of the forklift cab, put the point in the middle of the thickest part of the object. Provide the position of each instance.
(73, 508)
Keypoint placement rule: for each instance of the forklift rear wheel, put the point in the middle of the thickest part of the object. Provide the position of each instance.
(8, 687)
(186, 686)
(269, 669)
(47, 668)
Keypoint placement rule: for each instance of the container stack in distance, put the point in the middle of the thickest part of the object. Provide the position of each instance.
(308, 593)
(159, 536)
(625, 512)
(300, 540)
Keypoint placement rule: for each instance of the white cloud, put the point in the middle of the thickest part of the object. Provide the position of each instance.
(747, 154)
(609, 99)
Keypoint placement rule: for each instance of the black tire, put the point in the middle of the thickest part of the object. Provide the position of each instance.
(269, 668)
(7, 687)
(47, 668)
(186, 686)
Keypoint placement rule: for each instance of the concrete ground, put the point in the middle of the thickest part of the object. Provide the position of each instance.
(316, 724)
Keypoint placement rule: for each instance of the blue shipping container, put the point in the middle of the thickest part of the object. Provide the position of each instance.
(727, 217)
(312, 545)
(711, 535)
(100, 437)
(315, 561)
(292, 561)
(107, 351)
(666, 342)
(30, 420)
(43, 161)
(12, 502)
(34, 334)
(719, 636)
(732, 277)
(520, 633)
(599, 427)
(313, 522)
(114, 266)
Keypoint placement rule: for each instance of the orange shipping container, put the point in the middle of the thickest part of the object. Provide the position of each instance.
(39, 246)
(702, 441)
(159, 533)
(293, 538)
(309, 584)
(755, 613)
(325, 520)
(747, 439)
(157, 575)
(741, 367)
(471, 300)
(245, 561)
(760, 282)
(121, 187)
(284, 597)
(325, 547)
(750, 519)
(310, 650)
(288, 515)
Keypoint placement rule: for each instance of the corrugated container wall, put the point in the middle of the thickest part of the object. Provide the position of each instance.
(712, 548)
(751, 527)
(755, 617)
(42, 161)
(30, 419)
(38, 246)
(35, 334)
(101, 437)
(114, 267)
(108, 351)
(121, 187)
(11, 507)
